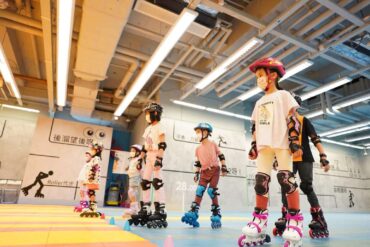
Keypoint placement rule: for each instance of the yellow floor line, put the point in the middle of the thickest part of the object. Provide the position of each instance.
(46, 219)
(35, 225)
(66, 237)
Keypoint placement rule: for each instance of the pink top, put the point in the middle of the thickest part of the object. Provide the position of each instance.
(207, 154)
(270, 116)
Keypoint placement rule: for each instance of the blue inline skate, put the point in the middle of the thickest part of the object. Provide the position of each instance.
(192, 216)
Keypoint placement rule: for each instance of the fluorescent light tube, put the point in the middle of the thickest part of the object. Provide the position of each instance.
(224, 66)
(314, 114)
(296, 69)
(186, 17)
(349, 132)
(341, 144)
(358, 138)
(325, 88)
(351, 102)
(65, 27)
(217, 111)
(7, 73)
(250, 93)
(337, 130)
(20, 108)
(189, 105)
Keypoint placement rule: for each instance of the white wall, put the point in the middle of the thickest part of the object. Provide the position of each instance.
(16, 131)
(59, 146)
(349, 170)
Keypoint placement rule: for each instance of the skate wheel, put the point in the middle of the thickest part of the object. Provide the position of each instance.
(311, 233)
(102, 216)
(165, 224)
(267, 239)
(286, 244)
(241, 240)
(196, 224)
(275, 231)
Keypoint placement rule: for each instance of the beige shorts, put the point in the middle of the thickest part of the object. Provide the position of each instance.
(266, 159)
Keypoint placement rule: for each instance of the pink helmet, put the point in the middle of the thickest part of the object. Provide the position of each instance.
(268, 63)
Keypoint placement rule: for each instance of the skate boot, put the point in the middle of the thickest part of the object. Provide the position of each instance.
(280, 224)
(142, 216)
(293, 231)
(83, 205)
(254, 233)
(318, 226)
(134, 209)
(158, 218)
(92, 211)
(215, 217)
(191, 217)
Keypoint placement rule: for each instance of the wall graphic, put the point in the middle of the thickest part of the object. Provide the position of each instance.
(56, 158)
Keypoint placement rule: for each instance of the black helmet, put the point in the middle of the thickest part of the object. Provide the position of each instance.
(155, 110)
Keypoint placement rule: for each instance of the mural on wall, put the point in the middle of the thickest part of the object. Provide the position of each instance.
(59, 146)
(38, 180)
(350, 197)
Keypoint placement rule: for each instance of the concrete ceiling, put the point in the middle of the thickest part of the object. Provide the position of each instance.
(334, 34)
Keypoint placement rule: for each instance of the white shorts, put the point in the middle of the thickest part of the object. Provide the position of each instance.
(134, 181)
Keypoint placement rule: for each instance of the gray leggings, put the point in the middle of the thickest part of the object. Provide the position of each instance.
(305, 171)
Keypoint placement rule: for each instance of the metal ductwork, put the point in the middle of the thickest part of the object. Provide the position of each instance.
(101, 27)
(167, 11)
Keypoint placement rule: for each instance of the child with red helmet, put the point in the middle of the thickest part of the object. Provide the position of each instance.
(275, 132)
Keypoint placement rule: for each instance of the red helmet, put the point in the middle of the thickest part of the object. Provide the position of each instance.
(268, 63)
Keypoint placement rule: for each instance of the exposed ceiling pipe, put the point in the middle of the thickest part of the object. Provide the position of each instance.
(162, 69)
(20, 18)
(203, 44)
(129, 74)
(180, 61)
(48, 50)
(216, 38)
(144, 57)
(266, 29)
(342, 12)
(158, 37)
(330, 58)
(20, 27)
(245, 62)
(94, 55)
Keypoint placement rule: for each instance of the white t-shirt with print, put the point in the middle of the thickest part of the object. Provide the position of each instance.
(270, 116)
(132, 170)
(151, 136)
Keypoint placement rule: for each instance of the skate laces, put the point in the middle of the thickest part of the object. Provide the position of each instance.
(297, 218)
(260, 217)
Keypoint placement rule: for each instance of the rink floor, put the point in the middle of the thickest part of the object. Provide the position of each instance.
(34, 226)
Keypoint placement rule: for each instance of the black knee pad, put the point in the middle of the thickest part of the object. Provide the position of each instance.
(306, 187)
(262, 183)
(91, 192)
(157, 183)
(287, 181)
(145, 184)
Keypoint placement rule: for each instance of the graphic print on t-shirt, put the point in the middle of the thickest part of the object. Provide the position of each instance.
(149, 140)
(265, 112)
